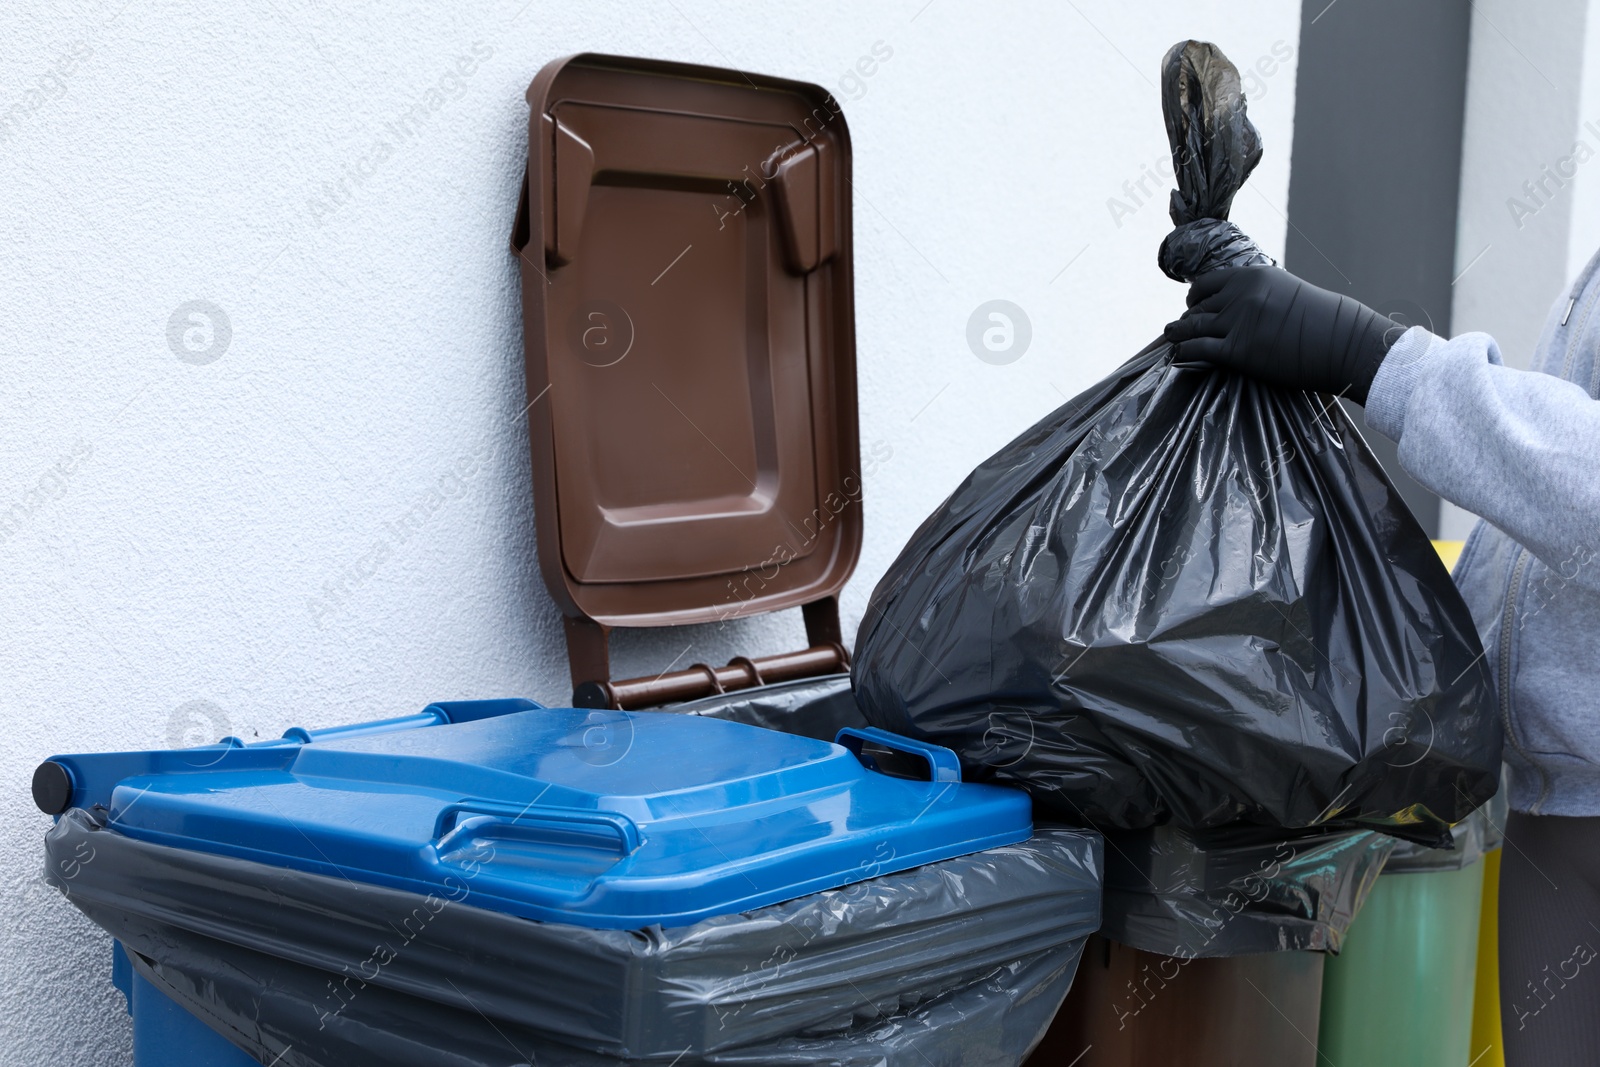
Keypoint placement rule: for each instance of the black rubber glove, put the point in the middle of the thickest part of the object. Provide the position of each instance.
(1265, 322)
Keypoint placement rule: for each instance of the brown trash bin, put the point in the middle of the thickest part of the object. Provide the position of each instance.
(1129, 1008)
(685, 241)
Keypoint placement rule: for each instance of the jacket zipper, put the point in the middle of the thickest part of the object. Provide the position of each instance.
(1520, 560)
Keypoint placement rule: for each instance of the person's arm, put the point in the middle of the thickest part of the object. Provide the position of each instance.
(1519, 448)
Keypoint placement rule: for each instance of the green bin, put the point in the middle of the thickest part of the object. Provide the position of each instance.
(1401, 990)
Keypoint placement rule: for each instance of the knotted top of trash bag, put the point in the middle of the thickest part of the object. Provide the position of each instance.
(1214, 149)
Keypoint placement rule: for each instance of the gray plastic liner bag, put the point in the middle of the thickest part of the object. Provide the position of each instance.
(1186, 597)
(1239, 890)
(959, 962)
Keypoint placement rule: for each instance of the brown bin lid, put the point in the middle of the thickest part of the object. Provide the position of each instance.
(684, 235)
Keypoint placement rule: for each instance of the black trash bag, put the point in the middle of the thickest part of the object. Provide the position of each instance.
(1472, 839)
(1185, 596)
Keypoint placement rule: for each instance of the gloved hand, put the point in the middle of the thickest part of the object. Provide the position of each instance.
(1265, 322)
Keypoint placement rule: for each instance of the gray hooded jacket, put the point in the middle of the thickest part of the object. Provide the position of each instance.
(1521, 449)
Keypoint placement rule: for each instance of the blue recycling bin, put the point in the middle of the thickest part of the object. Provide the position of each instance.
(589, 865)
(672, 819)
(163, 1032)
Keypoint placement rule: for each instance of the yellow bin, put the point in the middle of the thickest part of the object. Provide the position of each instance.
(1485, 1050)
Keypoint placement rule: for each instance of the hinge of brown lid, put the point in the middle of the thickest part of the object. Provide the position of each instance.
(702, 681)
(590, 659)
(822, 621)
(588, 652)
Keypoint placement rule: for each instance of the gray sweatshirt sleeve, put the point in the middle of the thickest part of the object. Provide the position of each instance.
(1520, 448)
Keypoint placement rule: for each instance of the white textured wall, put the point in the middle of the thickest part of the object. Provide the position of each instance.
(173, 522)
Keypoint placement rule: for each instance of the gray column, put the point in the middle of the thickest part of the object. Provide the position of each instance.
(1377, 156)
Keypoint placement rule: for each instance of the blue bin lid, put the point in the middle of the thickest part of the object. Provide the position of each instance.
(603, 819)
